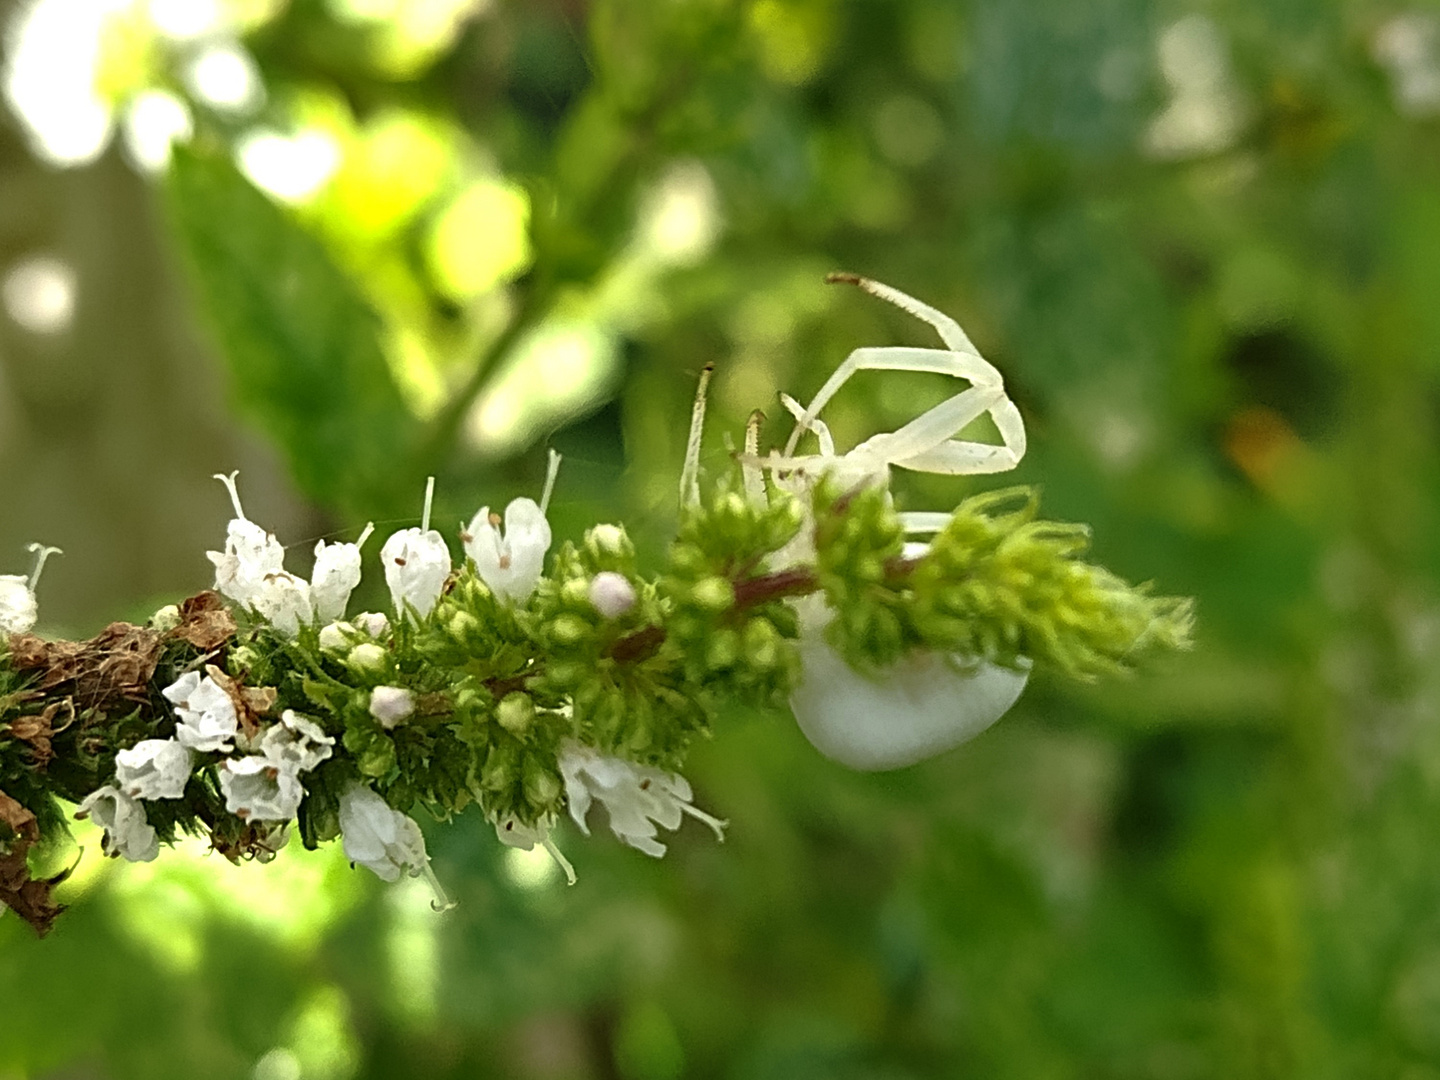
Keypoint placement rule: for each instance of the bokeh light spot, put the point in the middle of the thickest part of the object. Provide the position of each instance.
(155, 120)
(292, 168)
(481, 239)
(39, 294)
(225, 77)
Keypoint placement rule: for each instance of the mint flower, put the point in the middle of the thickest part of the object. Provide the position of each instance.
(336, 573)
(514, 833)
(511, 561)
(417, 562)
(127, 833)
(637, 797)
(206, 713)
(251, 553)
(18, 607)
(260, 789)
(284, 601)
(385, 841)
(154, 769)
(295, 743)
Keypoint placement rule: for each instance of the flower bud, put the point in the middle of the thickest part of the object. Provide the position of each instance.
(463, 627)
(374, 623)
(608, 542)
(713, 594)
(391, 704)
(612, 594)
(568, 630)
(166, 619)
(368, 658)
(516, 712)
(335, 637)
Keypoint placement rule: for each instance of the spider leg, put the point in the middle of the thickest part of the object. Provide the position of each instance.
(813, 423)
(971, 366)
(954, 457)
(925, 443)
(948, 329)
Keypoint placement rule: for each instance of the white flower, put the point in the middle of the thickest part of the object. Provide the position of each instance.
(127, 833)
(284, 601)
(251, 554)
(207, 720)
(258, 789)
(417, 562)
(513, 832)
(18, 607)
(337, 572)
(612, 594)
(922, 705)
(296, 743)
(510, 562)
(384, 840)
(374, 623)
(154, 769)
(637, 797)
(391, 704)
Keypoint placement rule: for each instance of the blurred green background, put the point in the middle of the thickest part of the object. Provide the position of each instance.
(397, 237)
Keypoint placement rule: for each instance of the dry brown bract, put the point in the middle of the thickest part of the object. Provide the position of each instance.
(27, 897)
(112, 667)
(251, 702)
(205, 622)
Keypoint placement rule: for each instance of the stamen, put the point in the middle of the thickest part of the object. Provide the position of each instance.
(41, 552)
(690, 474)
(429, 499)
(552, 468)
(549, 845)
(229, 482)
(494, 519)
(365, 534)
(715, 823)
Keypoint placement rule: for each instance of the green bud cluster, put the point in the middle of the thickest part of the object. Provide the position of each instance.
(858, 544)
(727, 615)
(997, 583)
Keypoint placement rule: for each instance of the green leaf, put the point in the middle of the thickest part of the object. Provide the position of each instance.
(302, 346)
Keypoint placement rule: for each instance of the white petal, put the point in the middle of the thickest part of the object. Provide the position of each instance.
(154, 769)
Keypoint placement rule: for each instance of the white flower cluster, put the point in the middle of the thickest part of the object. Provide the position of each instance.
(261, 771)
(259, 777)
(251, 571)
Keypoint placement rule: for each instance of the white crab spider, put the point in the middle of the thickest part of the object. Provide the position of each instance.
(925, 703)
(927, 443)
